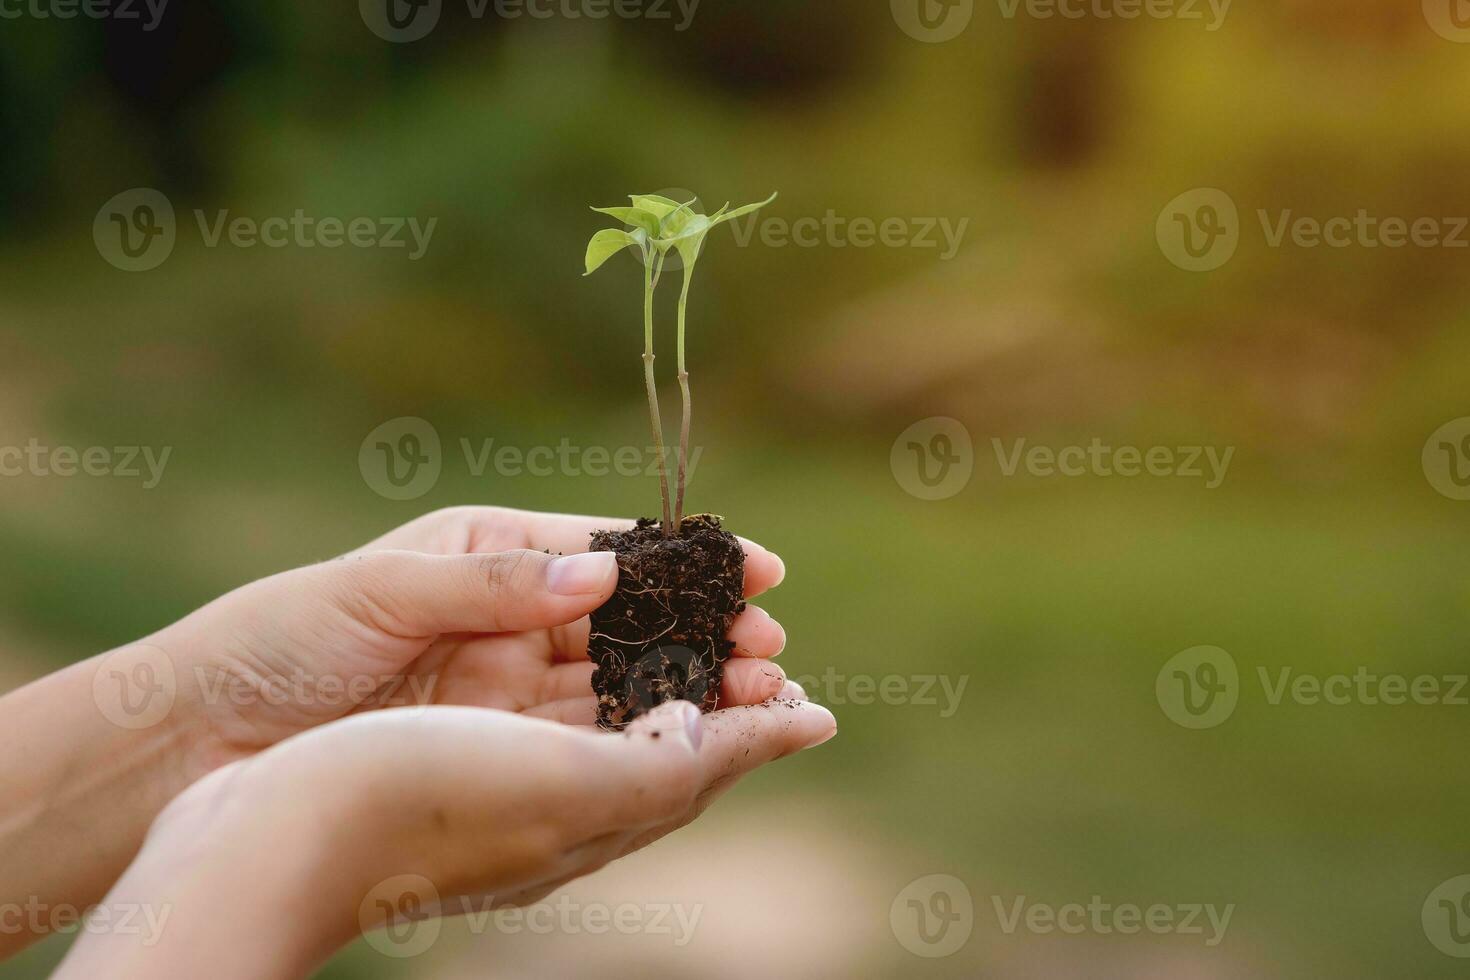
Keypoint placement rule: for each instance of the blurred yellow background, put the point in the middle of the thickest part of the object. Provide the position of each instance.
(1069, 151)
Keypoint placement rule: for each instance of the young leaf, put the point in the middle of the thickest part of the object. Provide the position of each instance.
(637, 217)
(688, 238)
(609, 242)
(653, 203)
(740, 212)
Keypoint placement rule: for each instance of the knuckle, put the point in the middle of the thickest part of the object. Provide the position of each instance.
(502, 571)
(364, 586)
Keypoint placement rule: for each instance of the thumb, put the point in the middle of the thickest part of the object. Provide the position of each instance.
(651, 772)
(407, 593)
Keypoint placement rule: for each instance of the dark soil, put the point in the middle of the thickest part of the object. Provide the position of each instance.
(661, 637)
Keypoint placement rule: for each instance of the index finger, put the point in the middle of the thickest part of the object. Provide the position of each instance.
(489, 529)
(570, 533)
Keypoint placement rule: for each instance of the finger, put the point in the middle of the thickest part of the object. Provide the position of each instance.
(462, 530)
(404, 593)
(652, 771)
(753, 631)
(756, 634)
(568, 711)
(739, 740)
(571, 533)
(792, 691)
(750, 682)
(764, 569)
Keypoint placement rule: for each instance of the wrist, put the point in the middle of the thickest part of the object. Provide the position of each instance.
(235, 857)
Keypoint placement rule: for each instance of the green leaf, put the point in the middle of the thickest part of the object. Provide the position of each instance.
(740, 212)
(609, 242)
(672, 224)
(689, 239)
(653, 203)
(636, 217)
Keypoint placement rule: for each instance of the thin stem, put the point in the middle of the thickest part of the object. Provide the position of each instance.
(649, 277)
(687, 406)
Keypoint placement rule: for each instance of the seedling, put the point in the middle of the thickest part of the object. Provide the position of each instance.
(656, 225)
(661, 637)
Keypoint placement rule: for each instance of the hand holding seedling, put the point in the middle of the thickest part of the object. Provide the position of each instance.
(460, 607)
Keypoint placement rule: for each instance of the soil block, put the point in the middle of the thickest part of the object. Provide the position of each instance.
(661, 637)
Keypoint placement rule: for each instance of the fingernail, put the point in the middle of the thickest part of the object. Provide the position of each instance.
(828, 733)
(792, 691)
(694, 726)
(582, 574)
(750, 545)
(781, 632)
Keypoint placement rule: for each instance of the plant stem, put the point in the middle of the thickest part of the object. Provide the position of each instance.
(687, 406)
(649, 278)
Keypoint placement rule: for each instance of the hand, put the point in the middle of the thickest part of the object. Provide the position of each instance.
(462, 606)
(452, 803)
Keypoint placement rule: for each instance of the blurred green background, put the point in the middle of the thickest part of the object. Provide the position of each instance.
(1060, 320)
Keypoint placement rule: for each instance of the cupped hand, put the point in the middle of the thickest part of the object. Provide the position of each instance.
(474, 606)
(464, 809)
